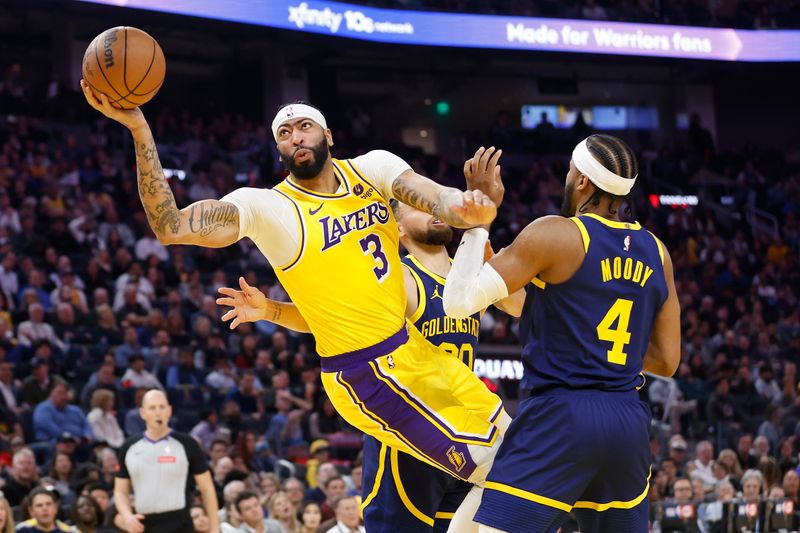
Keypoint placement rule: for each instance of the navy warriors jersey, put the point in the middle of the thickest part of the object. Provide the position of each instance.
(592, 331)
(457, 336)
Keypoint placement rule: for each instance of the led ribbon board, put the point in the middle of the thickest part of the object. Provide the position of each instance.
(490, 31)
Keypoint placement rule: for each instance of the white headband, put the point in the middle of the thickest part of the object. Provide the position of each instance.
(295, 111)
(598, 174)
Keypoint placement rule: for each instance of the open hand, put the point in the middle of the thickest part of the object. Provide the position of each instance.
(130, 118)
(248, 304)
(482, 172)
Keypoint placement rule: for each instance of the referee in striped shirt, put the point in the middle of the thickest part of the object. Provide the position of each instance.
(158, 465)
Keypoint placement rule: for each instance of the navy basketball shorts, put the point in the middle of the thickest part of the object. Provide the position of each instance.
(580, 451)
(401, 493)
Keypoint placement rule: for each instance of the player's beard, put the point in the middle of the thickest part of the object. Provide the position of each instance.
(566, 203)
(432, 236)
(310, 168)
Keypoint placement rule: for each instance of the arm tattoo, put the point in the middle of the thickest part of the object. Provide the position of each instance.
(276, 314)
(405, 193)
(204, 218)
(154, 192)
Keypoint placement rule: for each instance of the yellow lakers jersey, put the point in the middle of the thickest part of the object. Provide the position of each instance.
(346, 280)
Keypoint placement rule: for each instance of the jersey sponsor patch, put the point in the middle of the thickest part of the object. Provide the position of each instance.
(167, 459)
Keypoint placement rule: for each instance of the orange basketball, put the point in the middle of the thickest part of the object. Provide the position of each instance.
(125, 64)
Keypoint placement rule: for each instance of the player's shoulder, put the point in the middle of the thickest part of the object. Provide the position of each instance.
(248, 193)
(550, 226)
(377, 155)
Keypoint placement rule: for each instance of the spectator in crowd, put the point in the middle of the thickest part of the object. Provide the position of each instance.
(347, 516)
(282, 511)
(136, 375)
(310, 517)
(23, 478)
(9, 387)
(103, 379)
(56, 416)
(285, 430)
(36, 329)
(744, 452)
(248, 396)
(334, 488)
(134, 424)
(86, 515)
(199, 519)
(252, 515)
(295, 490)
(100, 493)
(43, 509)
(61, 472)
(752, 485)
(703, 465)
(682, 490)
(208, 429)
(103, 418)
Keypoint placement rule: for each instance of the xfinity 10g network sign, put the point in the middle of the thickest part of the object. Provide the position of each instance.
(490, 31)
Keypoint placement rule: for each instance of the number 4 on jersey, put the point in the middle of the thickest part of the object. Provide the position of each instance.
(619, 336)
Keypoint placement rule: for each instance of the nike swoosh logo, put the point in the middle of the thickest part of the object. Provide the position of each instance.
(313, 212)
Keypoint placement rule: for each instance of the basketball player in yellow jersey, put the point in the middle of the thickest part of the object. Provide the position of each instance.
(331, 236)
(401, 493)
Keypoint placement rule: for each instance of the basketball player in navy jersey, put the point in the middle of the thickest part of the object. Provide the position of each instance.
(400, 492)
(601, 308)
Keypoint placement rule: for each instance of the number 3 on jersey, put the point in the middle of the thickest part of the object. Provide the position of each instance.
(371, 244)
(619, 336)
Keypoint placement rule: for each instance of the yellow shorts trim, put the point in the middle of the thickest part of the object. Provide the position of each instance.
(530, 496)
(398, 483)
(444, 516)
(450, 432)
(378, 477)
(630, 504)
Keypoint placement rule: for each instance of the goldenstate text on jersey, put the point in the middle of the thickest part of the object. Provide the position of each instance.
(445, 324)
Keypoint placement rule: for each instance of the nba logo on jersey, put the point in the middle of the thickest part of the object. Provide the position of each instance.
(627, 243)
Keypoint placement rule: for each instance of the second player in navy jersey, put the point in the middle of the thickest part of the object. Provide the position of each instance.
(601, 309)
(400, 492)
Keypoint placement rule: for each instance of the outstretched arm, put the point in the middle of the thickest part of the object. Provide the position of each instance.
(460, 209)
(208, 223)
(543, 246)
(251, 305)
